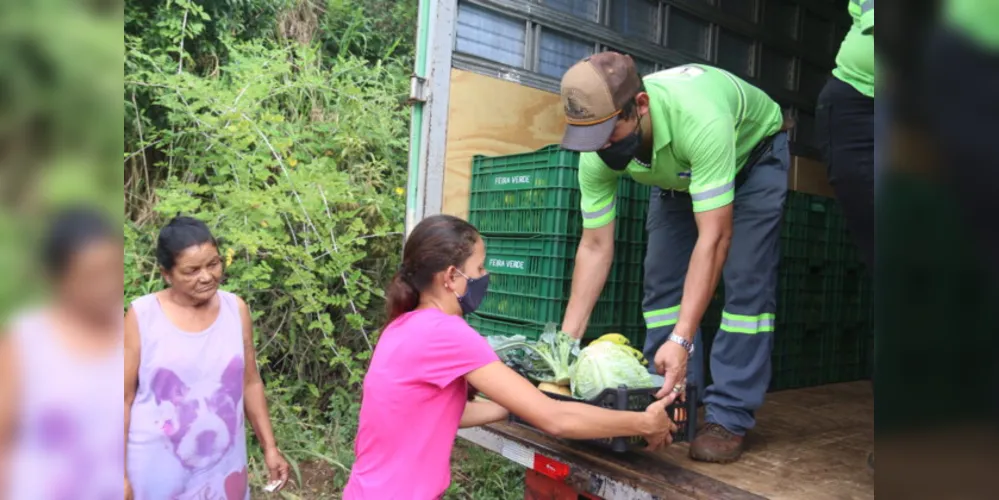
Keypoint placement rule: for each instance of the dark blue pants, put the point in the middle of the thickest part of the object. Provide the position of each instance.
(963, 115)
(844, 120)
(740, 353)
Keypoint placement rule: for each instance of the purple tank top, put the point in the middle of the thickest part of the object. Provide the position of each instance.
(65, 447)
(187, 437)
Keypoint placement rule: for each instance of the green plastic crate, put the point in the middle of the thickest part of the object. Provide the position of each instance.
(823, 332)
(856, 295)
(820, 353)
(808, 294)
(489, 326)
(814, 229)
(531, 279)
(537, 193)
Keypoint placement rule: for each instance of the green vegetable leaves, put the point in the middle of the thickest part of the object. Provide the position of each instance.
(547, 360)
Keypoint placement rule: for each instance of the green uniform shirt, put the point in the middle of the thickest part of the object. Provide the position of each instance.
(705, 123)
(855, 60)
(979, 19)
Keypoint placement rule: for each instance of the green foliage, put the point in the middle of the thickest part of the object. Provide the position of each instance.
(283, 125)
(371, 29)
(296, 160)
(59, 116)
(295, 165)
(483, 475)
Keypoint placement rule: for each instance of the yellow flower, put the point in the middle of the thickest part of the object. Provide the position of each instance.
(263, 223)
(400, 191)
(229, 254)
(292, 162)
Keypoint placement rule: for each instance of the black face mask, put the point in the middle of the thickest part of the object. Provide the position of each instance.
(619, 154)
(474, 293)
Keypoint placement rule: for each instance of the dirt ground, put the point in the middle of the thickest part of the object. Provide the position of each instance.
(317, 484)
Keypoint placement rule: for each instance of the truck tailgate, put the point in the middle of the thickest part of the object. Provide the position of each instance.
(636, 475)
(809, 443)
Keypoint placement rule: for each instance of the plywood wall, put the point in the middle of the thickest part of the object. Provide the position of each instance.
(809, 176)
(491, 116)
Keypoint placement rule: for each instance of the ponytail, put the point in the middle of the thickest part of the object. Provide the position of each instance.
(400, 298)
(437, 242)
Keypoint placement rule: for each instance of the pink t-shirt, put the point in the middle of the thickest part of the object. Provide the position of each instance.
(414, 395)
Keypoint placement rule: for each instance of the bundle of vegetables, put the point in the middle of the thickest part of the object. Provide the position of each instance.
(608, 365)
(547, 361)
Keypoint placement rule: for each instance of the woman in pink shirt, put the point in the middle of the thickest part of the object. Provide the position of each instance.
(415, 391)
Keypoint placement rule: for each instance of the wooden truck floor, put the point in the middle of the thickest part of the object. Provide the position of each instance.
(808, 444)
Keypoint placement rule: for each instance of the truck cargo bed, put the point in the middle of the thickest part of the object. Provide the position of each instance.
(809, 443)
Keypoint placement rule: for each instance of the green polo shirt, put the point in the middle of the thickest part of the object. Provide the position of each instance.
(978, 19)
(855, 59)
(705, 123)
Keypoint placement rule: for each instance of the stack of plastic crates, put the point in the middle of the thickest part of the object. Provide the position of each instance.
(823, 332)
(824, 328)
(527, 208)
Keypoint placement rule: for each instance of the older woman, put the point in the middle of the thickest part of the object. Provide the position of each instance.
(59, 369)
(190, 374)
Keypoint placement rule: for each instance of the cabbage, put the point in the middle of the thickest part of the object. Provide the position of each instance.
(606, 365)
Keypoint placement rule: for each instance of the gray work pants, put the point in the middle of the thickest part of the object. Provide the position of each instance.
(740, 354)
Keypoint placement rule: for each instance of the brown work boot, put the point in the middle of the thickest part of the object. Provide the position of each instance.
(716, 444)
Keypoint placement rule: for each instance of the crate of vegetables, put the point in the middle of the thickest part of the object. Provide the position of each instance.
(683, 414)
(609, 373)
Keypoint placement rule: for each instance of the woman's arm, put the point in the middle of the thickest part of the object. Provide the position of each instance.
(565, 419)
(479, 412)
(253, 386)
(255, 402)
(8, 405)
(132, 357)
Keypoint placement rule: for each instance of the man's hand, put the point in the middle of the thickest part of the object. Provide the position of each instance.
(671, 363)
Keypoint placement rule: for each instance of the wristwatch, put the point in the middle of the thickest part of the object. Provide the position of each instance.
(688, 346)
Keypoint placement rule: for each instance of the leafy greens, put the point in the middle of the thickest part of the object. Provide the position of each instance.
(547, 360)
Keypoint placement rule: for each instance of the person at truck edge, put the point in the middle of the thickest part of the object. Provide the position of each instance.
(845, 122)
(844, 119)
(715, 151)
(416, 391)
(960, 76)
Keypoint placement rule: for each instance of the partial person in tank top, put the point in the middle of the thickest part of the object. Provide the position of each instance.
(190, 376)
(59, 366)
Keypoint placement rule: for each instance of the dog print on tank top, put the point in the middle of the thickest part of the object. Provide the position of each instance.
(187, 438)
